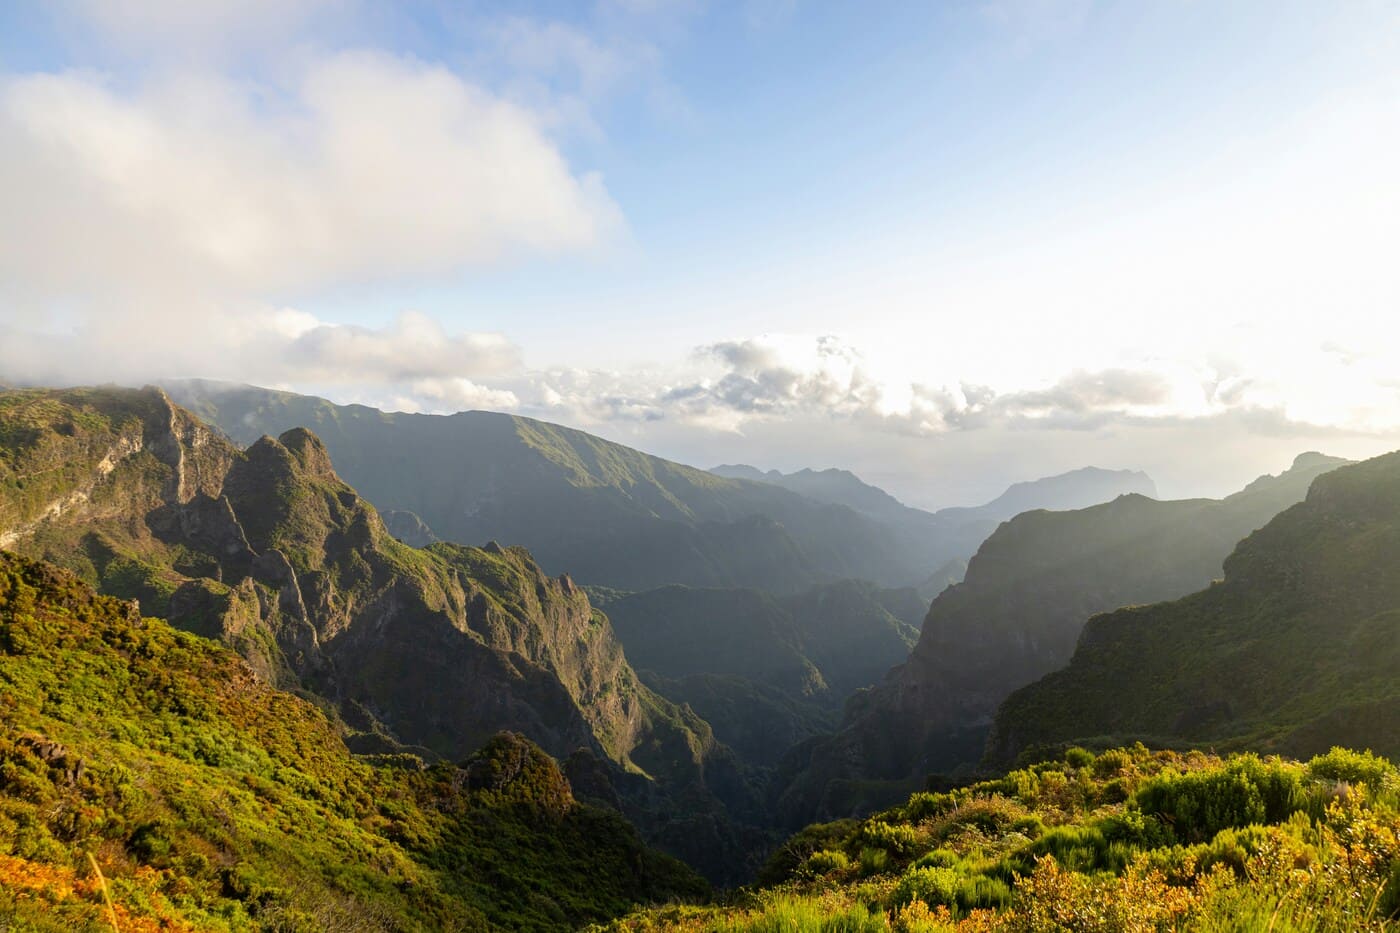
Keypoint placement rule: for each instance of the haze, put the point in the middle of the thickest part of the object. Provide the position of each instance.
(947, 246)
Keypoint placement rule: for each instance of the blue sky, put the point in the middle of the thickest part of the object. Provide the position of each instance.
(949, 245)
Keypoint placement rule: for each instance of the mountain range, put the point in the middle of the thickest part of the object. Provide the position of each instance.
(1294, 650)
(214, 649)
(426, 650)
(612, 516)
(1016, 617)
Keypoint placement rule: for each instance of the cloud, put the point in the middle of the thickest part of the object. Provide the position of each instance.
(375, 167)
(412, 355)
(414, 348)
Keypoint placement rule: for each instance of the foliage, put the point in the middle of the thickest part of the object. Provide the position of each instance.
(1126, 841)
(212, 801)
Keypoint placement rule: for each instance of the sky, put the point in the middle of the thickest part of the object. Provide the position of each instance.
(947, 245)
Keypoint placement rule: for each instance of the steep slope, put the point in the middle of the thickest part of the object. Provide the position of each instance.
(215, 802)
(604, 513)
(1295, 649)
(765, 671)
(1017, 616)
(433, 649)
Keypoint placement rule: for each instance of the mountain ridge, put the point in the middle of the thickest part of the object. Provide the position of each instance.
(1293, 649)
(267, 549)
(1015, 617)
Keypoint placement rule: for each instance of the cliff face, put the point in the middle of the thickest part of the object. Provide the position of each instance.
(1017, 616)
(1295, 650)
(268, 550)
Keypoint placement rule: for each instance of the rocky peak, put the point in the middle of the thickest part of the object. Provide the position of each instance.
(310, 453)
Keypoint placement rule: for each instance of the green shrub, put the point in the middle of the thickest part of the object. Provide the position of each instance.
(895, 838)
(825, 861)
(873, 861)
(938, 858)
(1079, 757)
(1341, 764)
(1197, 805)
(938, 886)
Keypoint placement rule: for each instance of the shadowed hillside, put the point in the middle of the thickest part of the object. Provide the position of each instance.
(1295, 649)
(1017, 616)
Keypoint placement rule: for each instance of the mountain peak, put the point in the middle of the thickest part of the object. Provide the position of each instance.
(309, 452)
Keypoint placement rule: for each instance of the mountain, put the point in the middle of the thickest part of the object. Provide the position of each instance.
(212, 801)
(765, 671)
(951, 535)
(838, 487)
(1016, 617)
(431, 650)
(1294, 650)
(606, 514)
(1077, 489)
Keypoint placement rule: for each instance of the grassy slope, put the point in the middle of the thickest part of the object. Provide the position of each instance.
(1129, 841)
(435, 649)
(211, 799)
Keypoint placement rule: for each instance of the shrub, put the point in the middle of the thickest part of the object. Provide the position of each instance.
(1113, 763)
(873, 861)
(825, 862)
(1079, 757)
(895, 838)
(936, 886)
(938, 858)
(1198, 805)
(1341, 764)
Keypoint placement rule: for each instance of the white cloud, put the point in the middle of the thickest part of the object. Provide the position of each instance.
(376, 167)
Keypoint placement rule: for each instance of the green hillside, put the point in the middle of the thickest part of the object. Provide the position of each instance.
(1017, 616)
(428, 650)
(1296, 648)
(213, 801)
(1127, 841)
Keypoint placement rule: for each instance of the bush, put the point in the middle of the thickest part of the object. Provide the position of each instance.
(873, 861)
(1198, 805)
(895, 838)
(825, 862)
(1341, 764)
(1079, 757)
(1113, 763)
(947, 887)
(938, 858)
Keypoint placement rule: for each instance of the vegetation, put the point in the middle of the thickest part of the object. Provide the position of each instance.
(1127, 841)
(428, 652)
(212, 801)
(1295, 650)
(1017, 616)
